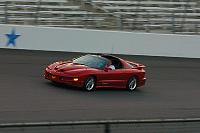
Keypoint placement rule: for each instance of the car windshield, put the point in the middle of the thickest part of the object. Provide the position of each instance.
(92, 61)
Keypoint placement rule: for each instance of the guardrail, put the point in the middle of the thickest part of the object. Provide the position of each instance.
(106, 123)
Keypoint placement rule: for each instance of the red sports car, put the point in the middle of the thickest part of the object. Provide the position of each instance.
(97, 71)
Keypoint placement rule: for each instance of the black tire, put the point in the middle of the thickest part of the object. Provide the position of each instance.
(132, 84)
(90, 83)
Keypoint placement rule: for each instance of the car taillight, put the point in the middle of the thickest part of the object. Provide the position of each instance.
(140, 66)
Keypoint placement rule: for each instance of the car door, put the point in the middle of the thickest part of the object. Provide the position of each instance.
(112, 78)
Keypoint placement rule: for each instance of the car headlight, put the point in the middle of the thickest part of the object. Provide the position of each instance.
(75, 79)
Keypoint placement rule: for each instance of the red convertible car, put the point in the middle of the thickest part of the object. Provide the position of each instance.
(97, 71)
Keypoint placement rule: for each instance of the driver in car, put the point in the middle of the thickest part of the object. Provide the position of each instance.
(112, 66)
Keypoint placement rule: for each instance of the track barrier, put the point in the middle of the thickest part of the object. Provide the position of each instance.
(107, 125)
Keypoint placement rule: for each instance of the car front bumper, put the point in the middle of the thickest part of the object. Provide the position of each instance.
(61, 78)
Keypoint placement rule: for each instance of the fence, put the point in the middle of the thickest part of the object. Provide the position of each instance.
(149, 16)
(107, 126)
(53, 14)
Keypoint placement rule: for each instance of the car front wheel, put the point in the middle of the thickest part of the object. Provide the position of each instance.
(132, 83)
(90, 83)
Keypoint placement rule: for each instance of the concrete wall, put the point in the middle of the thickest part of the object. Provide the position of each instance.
(79, 40)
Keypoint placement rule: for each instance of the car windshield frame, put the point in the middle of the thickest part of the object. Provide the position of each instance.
(92, 61)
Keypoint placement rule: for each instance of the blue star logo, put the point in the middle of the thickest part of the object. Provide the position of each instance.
(12, 37)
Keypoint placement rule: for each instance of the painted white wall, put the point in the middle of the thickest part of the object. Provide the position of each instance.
(79, 40)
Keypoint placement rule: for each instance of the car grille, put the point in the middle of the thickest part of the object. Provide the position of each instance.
(56, 77)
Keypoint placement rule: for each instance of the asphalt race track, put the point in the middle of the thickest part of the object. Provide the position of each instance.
(172, 91)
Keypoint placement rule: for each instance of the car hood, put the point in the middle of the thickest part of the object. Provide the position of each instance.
(67, 67)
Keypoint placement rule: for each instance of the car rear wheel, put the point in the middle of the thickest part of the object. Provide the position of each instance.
(90, 83)
(132, 83)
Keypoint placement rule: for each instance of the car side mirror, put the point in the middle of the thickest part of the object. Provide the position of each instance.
(106, 69)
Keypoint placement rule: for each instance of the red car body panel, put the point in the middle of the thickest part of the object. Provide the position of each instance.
(67, 71)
